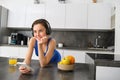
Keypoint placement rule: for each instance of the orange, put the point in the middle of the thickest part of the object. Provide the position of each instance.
(71, 58)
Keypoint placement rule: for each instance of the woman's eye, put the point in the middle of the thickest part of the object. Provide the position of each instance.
(40, 30)
(34, 31)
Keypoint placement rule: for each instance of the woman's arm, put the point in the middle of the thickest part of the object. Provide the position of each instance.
(29, 51)
(44, 60)
(28, 56)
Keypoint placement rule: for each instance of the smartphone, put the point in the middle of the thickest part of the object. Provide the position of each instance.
(24, 65)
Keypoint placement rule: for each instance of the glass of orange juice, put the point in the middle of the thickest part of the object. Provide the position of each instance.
(12, 61)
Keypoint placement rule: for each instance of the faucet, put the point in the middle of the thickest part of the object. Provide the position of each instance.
(96, 42)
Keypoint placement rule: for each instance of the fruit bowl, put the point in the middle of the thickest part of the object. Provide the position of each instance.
(65, 67)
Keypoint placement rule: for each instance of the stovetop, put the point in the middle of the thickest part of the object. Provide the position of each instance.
(109, 57)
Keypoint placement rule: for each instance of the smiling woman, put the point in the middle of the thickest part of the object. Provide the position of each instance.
(43, 44)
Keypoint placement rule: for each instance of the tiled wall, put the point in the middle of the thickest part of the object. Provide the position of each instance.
(82, 39)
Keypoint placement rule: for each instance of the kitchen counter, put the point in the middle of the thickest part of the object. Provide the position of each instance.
(51, 72)
(110, 60)
(102, 60)
(68, 48)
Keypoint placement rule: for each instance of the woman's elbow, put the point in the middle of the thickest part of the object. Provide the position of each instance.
(42, 65)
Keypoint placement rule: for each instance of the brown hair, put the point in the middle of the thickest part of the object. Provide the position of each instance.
(45, 23)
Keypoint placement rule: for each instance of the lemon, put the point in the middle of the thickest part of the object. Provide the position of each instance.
(65, 61)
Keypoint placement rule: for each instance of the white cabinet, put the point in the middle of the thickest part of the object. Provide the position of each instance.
(55, 14)
(16, 16)
(107, 73)
(34, 12)
(22, 16)
(62, 16)
(61, 51)
(67, 16)
(23, 52)
(79, 55)
(76, 16)
(99, 16)
(20, 52)
(7, 51)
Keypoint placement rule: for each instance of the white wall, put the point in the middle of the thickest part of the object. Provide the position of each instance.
(5, 3)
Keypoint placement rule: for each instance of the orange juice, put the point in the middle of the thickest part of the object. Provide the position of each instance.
(12, 61)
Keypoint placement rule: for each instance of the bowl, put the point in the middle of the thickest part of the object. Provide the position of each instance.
(65, 67)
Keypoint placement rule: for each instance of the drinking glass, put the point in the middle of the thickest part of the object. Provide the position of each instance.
(12, 61)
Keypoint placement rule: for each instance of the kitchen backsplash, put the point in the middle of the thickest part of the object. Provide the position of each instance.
(82, 39)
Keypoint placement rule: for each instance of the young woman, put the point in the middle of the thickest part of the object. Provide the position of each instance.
(43, 44)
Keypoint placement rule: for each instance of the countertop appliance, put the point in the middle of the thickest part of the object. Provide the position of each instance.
(18, 39)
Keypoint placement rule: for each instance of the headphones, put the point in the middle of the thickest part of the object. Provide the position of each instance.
(48, 28)
(45, 23)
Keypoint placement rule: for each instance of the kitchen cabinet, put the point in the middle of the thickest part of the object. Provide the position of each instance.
(23, 51)
(61, 51)
(76, 16)
(99, 16)
(60, 16)
(34, 12)
(79, 55)
(16, 16)
(55, 14)
(107, 73)
(67, 16)
(19, 52)
(22, 16)
(7, 51)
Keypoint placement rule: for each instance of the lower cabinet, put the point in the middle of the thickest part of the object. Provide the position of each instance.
(19, 52)
(107, 73)
(23, 52)
(79, 55)
(7, 51)
(61, 51)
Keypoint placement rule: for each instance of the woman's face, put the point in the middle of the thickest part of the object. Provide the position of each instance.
(39, 30)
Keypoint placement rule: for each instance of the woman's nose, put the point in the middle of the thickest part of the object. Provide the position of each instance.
(37, 34)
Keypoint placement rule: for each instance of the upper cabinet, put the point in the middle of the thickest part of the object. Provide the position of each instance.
(99, 16)
(34, 12)
(76, 16)
(16, 16)
(62, 15)
(55, 14)
(67, 16)
(23, 16)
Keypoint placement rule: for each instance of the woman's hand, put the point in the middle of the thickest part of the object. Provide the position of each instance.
(41, 40)
(24, 70)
